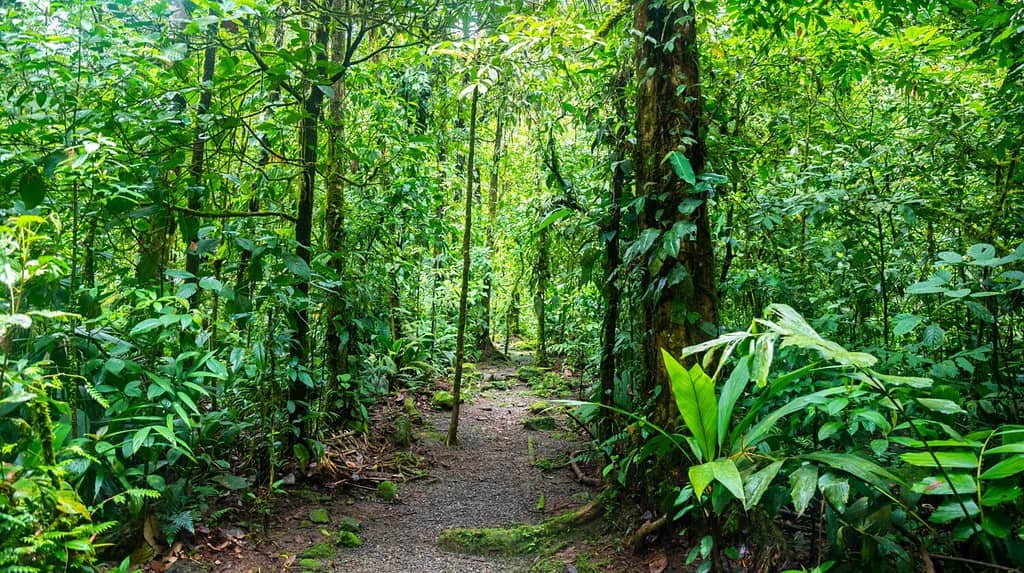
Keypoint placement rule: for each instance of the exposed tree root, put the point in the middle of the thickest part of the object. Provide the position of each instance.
(580, 476)
(637, 541)
(522, 539)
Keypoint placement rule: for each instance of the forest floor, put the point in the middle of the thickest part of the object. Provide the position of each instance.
(500, 474)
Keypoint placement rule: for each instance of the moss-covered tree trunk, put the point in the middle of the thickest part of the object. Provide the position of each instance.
(335, 341)
(680, 306)
(610, 229)
(460, 337)
(542, 274)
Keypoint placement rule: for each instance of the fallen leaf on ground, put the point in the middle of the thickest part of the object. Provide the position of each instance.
(658, 564)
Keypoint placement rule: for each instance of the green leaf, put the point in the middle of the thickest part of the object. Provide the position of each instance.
(552, 217)
(835, 489)
(757, 483)
(231, 481)
(681, 165)
(1014, 448)
(938, 485)
(724, 471)
(731, 392)
(694, 392)
(187, 290)
(146, 326)
(296, 265)
(763, 353)
(803, 482)
(31, 187)
(906, 324)
(860, 468)
(701, 477)
(996, 494)
(69, 503)
(953, 510)
(139, 438)
(796, 332)
(941, 406)
(947, 459)
(981, 253)
(1006, 468)
(761, 429)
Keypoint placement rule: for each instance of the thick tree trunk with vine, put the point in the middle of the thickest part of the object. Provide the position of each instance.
(460, 337)
(610, 230)
(335, 342)
(681, 306)
(486, 344)
(309, 128)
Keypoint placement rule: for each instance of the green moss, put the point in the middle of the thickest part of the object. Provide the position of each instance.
(442, 400)
(348, 539)
(545, 537)
(387, 491)
(529, 373)
(319, 515)
(539, 423)
(539, 406)
(351, 524)
(324, 550)
(309, 565)
(409, 405)
(401, 437)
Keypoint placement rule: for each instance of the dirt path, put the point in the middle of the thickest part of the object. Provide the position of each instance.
(486, 481)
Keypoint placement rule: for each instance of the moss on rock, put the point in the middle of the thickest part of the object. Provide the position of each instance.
(322, 550)
(387, 491)
(319, 516)
(539, 423)
(442, 400)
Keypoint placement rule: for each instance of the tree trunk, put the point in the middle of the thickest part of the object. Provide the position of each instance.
(610, 230)
(542, 272)
(486, 345)
(460, 337)
(335, 340)
(197, 164)
(309, 126)
(680, 306)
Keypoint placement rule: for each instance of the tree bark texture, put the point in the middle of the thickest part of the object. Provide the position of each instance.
(680, 302)
(460, 338)
(492, 216)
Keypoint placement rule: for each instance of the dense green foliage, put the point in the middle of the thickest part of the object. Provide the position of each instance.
(230, 226)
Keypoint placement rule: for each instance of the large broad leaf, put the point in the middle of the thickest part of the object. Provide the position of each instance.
(694, 392)
(835, 489)
(1006, 468)
(761, 429)
(906, 323)
(726, 339)
(803, 483)
(947, 459)
(953, 510)
(31, 187)
(860, 468)
(941, 406)
(761, 358)
(796, 332)
(939, 485)
(724, 471)
(731, 392)
(296, 265)
(681, 165)
(757, 483)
